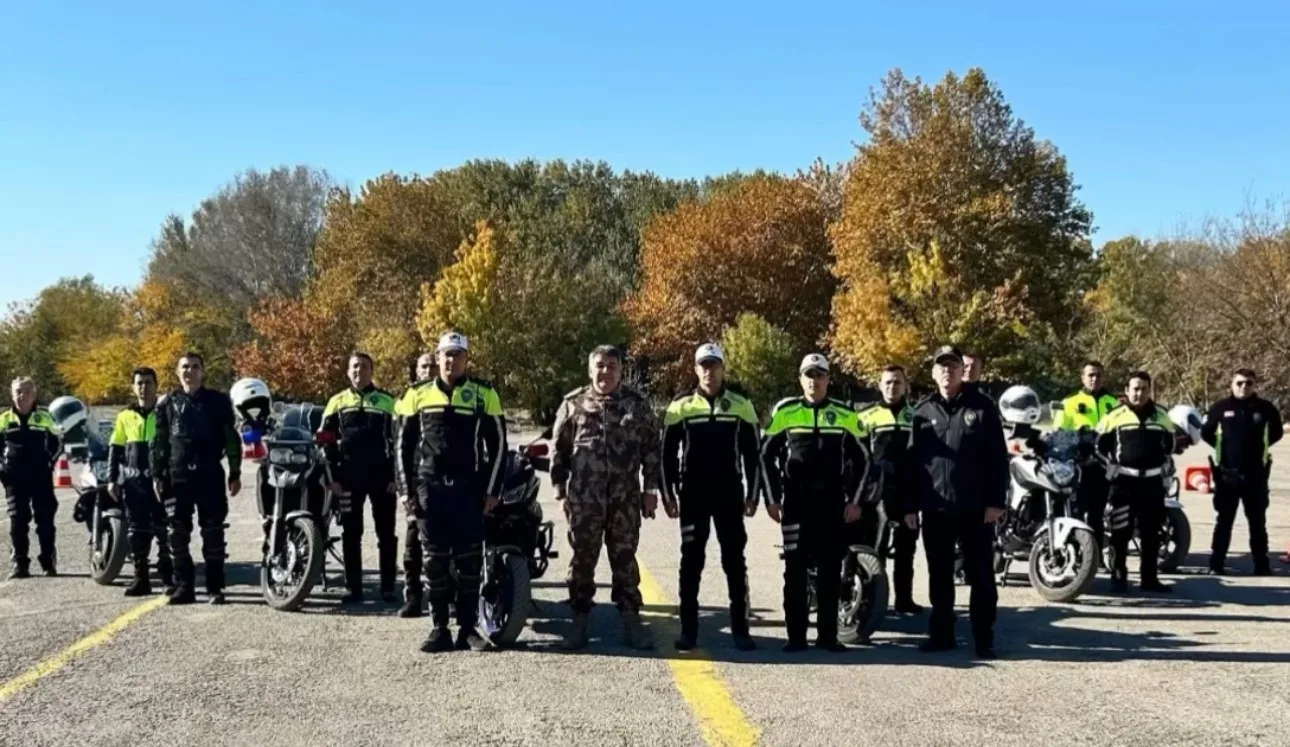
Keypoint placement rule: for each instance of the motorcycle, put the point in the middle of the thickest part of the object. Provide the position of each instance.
(104, 517)
(299, 524)
(518, 545)
(1040, 524)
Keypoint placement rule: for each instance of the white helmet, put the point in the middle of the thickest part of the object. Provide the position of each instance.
(68, 413)
(251, 398)
(1187, 420)
(1020, 404)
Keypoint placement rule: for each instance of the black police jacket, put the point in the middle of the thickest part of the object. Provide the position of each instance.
(193, 432)
(1242, 431)
(28, 445)
(957, 458)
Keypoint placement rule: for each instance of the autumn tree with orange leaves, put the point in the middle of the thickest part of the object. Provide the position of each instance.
(957, 226)
(757, 246)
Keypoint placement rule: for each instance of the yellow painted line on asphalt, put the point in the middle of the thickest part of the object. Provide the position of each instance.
(93, 640)
(721, 722)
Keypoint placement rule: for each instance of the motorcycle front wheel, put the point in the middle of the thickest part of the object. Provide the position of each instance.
(1064, 574)
(107, 551)
(863, 602)
(287, 578)
(506, 602)
(1175, 540)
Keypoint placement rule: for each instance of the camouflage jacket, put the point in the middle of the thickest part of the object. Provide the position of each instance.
(606, 443)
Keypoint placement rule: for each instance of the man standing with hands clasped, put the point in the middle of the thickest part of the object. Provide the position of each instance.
(816, 470)
(959, 479)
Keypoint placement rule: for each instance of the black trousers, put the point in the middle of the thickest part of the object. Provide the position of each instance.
(387, 543)
(900, 545)
(1092, 494)
(813, 532)
(25, 499)
(147, 519)
(1137, 502)
(1229, 493)
(941, 532)
(204, 492)
(701, 508)
(413, 583)
(452, 533)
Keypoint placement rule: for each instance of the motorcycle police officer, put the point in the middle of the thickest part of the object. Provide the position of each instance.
(708, 435)
(1138, 438)
(1241, 428)
(129, 473)
(816, 468)
(423, 372)
(957, 473)
(30, 447)
(886, 427)
(195, 428)
(362, 463)
(1085, 409)
(451, 447)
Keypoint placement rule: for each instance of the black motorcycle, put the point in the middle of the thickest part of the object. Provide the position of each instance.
(297, 509)
(517, 545)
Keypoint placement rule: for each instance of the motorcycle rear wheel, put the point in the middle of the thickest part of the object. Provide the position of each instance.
(1081, 543)
(105, 566)
(301, 530)
(868, 592)
(1176, 529)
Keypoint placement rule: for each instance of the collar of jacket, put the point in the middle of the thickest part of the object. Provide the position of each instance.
(897, 406)
(720, 393)
(364, 391)
(144, 411)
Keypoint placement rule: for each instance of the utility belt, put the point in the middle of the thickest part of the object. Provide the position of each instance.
(1118, 471)
(1239, 476)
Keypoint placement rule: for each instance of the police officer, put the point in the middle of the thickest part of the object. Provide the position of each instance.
(1138, 438)
(129, 473)
(958, 475)
(709, 434)
(1241, 428)
(195, 428)
(886, 428)
(1085, 409)
(423, 372)
(816, 469)
(30, 448)
(362, 465)
(451, 446)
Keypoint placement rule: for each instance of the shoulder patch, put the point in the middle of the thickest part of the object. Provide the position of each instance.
(784, 403)
(575, 393)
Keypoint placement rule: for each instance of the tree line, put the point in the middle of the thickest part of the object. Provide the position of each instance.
(951, 222)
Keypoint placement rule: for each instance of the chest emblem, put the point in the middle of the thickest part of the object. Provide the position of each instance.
(830, 417)
(467, 396)
(969, 417)
(724, 404)
(1258, 418)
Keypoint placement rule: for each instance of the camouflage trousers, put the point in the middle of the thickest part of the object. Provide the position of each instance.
(615, 522)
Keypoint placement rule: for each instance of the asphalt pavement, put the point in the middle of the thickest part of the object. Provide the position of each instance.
(1206, 665)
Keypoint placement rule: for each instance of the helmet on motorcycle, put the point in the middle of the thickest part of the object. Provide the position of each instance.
(1020, 404)
(69, 413)
(251, 399)
(1187, 420)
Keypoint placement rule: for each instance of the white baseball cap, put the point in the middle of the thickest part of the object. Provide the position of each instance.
(709, 352)
(452, 341)
(813, 361)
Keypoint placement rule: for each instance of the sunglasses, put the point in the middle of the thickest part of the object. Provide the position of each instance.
(1243, 382)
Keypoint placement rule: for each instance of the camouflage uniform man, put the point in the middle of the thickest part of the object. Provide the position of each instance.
(606, 439)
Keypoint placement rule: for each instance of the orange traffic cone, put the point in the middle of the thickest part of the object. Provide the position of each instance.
(1199, 479)
(63, 473)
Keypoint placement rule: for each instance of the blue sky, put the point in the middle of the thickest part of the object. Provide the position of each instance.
(114, 114)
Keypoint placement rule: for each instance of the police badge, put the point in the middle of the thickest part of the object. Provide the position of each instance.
(830, 416)
(724, 404)
(467, 395)
(969, 418)
(1258, 418)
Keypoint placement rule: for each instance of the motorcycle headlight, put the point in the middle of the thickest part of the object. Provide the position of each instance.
(280, 456)
(1063, 473)
(299, 457)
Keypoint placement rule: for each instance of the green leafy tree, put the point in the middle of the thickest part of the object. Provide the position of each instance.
(762, 358)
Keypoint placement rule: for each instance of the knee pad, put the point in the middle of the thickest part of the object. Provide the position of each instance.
(792, 533)
(470, 563)
(1120, 516)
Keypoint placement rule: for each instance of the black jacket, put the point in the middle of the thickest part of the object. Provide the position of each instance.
(28, 446)
(711, 444)
(1241, 430)
(193, 432)
(957, 459)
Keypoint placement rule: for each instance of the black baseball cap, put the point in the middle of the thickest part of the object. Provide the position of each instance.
(947, 351)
